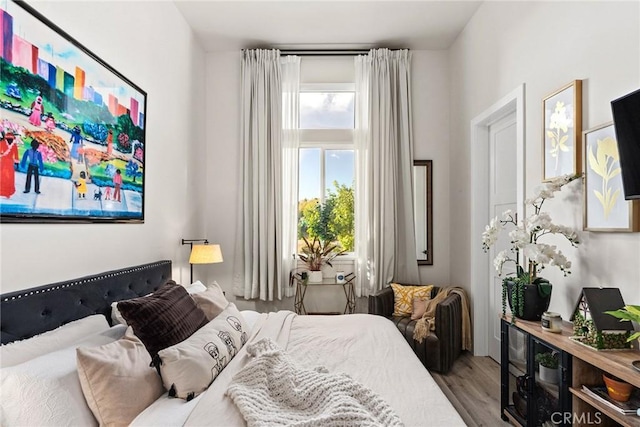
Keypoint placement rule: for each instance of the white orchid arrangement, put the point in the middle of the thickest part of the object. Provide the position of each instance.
(526, 234)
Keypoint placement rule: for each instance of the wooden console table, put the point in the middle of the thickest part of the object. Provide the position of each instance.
(588, 366)
(302, 285)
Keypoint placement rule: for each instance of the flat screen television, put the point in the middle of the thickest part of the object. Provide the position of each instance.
(626, 121)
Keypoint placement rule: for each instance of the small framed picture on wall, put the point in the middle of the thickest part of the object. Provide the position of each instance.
(562, 121)
(605, 208)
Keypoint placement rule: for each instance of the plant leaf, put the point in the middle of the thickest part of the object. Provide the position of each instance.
(633, 309)
(622, 315)
(614, 173)
(633, 337)
(599, 196)
(594, 165)
(612, 202)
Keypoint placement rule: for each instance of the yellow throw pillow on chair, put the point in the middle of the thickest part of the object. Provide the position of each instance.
(403, 296)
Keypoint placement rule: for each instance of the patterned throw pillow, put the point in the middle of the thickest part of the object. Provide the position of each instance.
(164, 318)
(403, 297)
(189, 367)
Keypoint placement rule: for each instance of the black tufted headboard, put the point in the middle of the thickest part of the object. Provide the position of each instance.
(33, 311)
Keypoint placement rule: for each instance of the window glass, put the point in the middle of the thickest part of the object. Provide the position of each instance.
(338, 166)
(328, 172)
(327, 110)
(309, 186)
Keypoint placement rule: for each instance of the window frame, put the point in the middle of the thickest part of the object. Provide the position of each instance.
(324, 147)
(328, 139)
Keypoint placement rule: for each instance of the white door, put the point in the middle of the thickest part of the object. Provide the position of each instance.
(502, 196)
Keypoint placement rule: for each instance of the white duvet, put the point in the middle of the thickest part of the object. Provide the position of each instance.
(368, 348)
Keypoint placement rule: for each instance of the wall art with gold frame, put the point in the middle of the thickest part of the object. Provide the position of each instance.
(605, 208)
(562, 127)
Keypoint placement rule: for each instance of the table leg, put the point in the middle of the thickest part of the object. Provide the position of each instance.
(350, 307)
(299, 300)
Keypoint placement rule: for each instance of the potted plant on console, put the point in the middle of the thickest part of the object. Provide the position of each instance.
(628, 313)
(315, 254)
(528, 293)
(549, 363)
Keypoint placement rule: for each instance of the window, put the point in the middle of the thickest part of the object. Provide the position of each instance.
(325, 195)
(327, 110)
(327, 164)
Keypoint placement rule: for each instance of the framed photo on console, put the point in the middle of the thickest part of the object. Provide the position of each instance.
(72, 128)
(562, 129)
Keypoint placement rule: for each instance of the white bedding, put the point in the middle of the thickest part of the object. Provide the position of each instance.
(368, 348)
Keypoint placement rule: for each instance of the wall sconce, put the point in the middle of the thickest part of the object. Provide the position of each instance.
(202, 253)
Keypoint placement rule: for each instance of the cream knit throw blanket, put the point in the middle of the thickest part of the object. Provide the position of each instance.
(272, 391)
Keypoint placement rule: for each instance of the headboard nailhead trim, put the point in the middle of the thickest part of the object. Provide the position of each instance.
(104, 276)
(29, 312)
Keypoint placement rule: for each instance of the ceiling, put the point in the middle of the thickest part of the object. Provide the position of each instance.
(238, 24)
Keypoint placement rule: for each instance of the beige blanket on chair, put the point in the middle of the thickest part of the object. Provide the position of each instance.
(427, 322)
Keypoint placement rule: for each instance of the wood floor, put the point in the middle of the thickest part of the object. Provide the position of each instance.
(473, 387)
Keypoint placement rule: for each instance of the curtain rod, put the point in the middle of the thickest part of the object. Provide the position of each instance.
(327, 52)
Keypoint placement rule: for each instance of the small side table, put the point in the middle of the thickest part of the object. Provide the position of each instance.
(302, 285)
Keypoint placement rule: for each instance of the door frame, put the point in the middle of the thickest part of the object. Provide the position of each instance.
(480, 216)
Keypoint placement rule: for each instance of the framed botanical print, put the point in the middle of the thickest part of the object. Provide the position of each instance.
(605, 208)
(562, 117)
(72, 128)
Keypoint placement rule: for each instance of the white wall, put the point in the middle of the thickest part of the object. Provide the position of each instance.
(154, 47)
(546, 45)
(430, 99)
(431, 129)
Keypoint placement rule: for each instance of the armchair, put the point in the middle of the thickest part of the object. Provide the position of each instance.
(443, 346)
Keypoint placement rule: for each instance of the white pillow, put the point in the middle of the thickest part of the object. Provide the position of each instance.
(212, 301)
(45, 391)
(20, 351)
(117, 381)
(189, 367)
(196, 287)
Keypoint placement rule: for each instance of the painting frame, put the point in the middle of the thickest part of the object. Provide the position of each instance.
(561, 126)
(601, 165)
(73, 126)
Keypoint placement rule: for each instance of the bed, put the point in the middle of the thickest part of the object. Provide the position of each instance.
(368, 349)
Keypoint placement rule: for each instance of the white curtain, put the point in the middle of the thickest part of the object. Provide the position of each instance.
(385, 234)
(290, 148)
(261, 274)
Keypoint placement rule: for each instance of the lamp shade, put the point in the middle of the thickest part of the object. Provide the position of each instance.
(205, 254)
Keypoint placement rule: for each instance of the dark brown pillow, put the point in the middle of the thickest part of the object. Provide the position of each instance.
(164, 318)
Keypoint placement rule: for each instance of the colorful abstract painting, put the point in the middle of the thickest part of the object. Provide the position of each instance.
(72, 129)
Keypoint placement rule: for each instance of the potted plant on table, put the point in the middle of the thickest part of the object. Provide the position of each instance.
(315, 254)
(548, 366)
(528, 293)
(628, 313)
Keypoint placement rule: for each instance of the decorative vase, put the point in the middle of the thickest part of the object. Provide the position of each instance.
(617, 389)
(535, 302)
(549, 375)
(315, 276)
